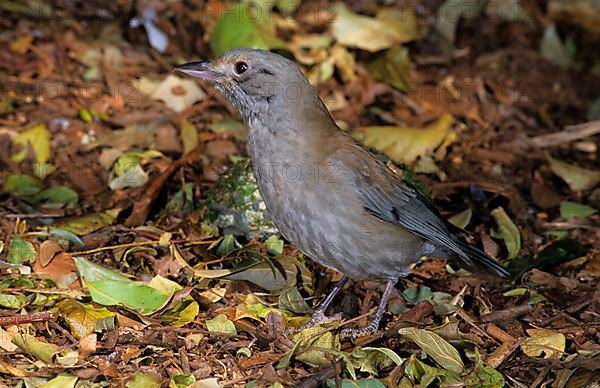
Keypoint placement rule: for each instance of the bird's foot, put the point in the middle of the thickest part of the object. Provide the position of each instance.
(371, 328)
(316, 319)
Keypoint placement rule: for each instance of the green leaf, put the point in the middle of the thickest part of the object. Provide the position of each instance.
(182, 380)
(417, 294)
(63, 380)
(274, 245)
(577, 178)
(11, 301)
(534, 296)
(245, 25)
(22, 185)
(426, 375)
(93, 272)
(89, 223)
(361, 383)
(507, 231)
(372, 360)
(56, 196)
(39, 349)
(572, 209)
(292, 300)
(66, 235)
(221, 324)
(38, 137)
(554, 50)
(110, 288)
(134, 295)
(462, 219)
(143, 380)
(183, 200)
(436, 347)
(228, 245)
(484, 376)
(20, 251)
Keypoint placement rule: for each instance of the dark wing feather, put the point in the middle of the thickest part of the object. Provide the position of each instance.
(388, 197)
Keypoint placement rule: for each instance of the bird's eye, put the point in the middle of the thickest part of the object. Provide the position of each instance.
(241, 67)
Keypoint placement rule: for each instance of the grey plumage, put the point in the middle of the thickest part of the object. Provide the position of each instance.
(328, 195)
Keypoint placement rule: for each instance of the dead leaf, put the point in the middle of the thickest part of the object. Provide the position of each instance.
(390, 26)
(178, 93)
(578, 178)
(406, 144)
(549, 342)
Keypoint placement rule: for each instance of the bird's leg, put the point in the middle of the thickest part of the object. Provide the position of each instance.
(374, 324)
(318, 315)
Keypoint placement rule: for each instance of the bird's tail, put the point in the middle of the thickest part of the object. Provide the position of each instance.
(477, 256)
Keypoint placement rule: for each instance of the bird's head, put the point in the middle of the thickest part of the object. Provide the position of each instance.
(255, 81)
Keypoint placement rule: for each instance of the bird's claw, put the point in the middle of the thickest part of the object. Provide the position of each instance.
(356, 333)
(316, 319)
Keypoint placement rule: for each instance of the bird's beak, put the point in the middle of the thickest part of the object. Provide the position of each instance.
(201, 69)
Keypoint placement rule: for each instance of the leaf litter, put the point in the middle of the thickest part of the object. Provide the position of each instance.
(135, 249)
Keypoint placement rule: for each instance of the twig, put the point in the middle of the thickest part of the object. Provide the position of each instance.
(142, 207)
(569, 134)
(500, 315)
(21, 319)
(139, 244)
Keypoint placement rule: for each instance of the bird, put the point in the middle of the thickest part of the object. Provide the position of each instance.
(328, 195)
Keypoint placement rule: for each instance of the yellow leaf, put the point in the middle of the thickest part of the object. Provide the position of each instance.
(406, 144)
(391, 26)
(578, 178)
(39, 139)
(507, 231)
(549, 342)
(189, 136)
(22, 44)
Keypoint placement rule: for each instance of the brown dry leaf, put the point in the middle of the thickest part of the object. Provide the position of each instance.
(48, 249)
(60, 268)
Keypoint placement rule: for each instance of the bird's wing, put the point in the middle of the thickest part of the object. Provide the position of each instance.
(388, 197)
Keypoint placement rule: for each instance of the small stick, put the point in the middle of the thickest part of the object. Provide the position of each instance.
(501, 315)
(498, 333)
(569, 134)
(22, 319)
